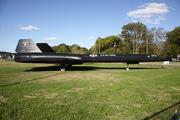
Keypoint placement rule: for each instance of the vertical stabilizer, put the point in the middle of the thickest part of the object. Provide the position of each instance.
(27, 46)
(45, 48)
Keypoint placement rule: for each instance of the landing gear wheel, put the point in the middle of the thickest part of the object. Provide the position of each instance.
(62, 67)
(127, 68)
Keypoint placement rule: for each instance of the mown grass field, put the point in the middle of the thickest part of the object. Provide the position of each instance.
(87, 92)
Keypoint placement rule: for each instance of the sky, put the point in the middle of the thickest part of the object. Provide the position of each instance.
(79, 21)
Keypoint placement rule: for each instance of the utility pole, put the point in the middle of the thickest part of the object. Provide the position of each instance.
(114, 47)
(178, 58)
(99, 44)
(147, 47)
(63, 47)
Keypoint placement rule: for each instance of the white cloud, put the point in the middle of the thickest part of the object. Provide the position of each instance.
(62, 39)
(160, 18)
(6, 29)
(141, 6)
(150, 12)
(32, 28)
(52, 38)
(82, 45)
(91, 38)
(153, 21)
(9, 27)
(146, 20)
(172, 8)
(135, 21)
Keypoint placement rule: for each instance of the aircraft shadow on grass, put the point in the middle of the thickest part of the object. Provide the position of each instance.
(16, 83)
(80, 68)
(162, 111)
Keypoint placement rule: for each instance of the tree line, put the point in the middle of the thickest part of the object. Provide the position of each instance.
(135, 38)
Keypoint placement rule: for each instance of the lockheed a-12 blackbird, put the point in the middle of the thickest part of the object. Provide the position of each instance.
(29, 52)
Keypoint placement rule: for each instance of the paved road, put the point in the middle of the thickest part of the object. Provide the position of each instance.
(174, 64)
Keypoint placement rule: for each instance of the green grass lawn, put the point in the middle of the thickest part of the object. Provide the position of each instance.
(86, 92)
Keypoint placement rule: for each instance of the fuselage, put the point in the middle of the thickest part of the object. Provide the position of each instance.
(82, 58)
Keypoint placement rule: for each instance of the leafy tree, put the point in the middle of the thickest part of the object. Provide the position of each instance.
(76, 50)
(150, 37)
(173, 42)
(93, 50)
(108, 51)
(62, 48)
(124, 48)
(85, 50)
(173, 37)
(134, 34)
(6, 56)
(76, 45)
(159, 37)
(174, 50)
(108, 43)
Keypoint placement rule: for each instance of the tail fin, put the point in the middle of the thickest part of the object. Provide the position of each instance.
(27, 46)
(45, 48)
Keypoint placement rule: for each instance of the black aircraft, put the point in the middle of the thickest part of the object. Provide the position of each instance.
(29, 52)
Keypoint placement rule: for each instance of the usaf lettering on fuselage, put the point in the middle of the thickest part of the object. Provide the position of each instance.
(96, 55)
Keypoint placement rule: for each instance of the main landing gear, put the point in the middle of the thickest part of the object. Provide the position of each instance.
(127, 68)
(63, 67)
